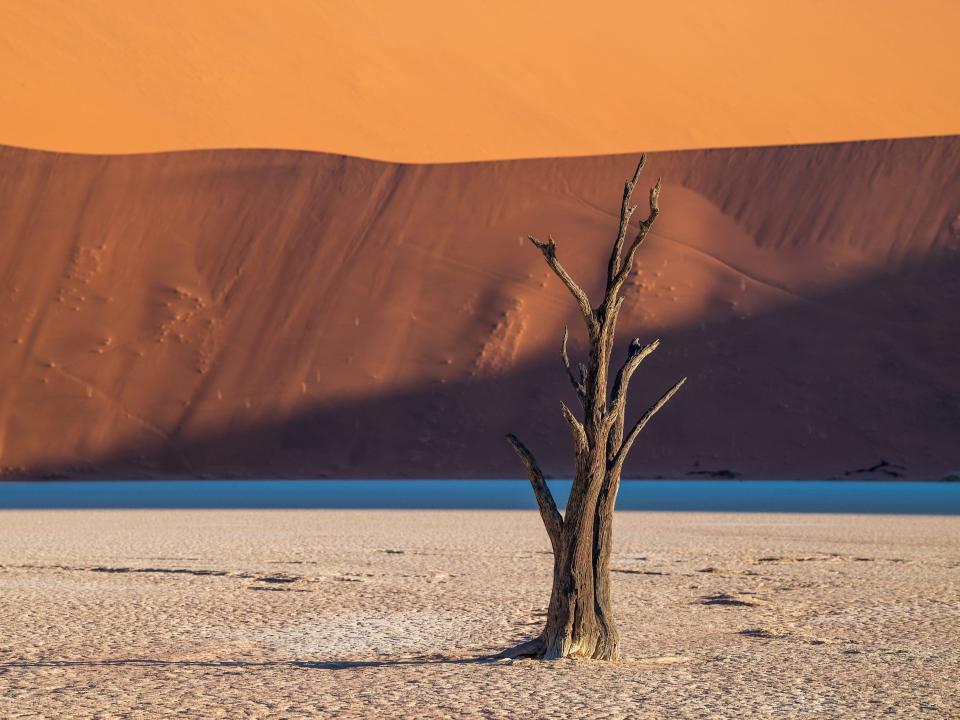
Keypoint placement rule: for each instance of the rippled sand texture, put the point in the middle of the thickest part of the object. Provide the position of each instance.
(274, 314)
(286, 614)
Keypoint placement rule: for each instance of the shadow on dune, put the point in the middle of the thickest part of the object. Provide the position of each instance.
(815, 388)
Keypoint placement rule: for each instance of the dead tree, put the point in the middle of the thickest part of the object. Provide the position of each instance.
(580, 617)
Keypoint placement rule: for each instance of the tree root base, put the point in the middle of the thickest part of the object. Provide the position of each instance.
(536, 648)
(533, 648)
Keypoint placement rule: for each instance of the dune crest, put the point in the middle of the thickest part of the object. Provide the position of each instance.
(432, 81)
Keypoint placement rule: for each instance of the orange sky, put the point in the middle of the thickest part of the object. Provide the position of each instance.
(441, 81)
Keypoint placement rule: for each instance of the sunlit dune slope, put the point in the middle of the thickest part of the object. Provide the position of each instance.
(434, 81)
(281, 313)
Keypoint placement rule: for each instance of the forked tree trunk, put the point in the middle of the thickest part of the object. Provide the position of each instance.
(580, 621)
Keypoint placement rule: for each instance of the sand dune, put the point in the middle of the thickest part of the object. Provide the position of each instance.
(279, 313)
(432, 81)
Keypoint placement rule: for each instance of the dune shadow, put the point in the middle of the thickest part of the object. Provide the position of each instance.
(863, 372)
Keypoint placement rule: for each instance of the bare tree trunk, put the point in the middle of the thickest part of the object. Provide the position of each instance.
(580, 620)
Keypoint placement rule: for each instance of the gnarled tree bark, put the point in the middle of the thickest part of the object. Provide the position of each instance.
(580, 620)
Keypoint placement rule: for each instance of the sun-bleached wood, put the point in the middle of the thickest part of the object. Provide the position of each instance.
(580, 620)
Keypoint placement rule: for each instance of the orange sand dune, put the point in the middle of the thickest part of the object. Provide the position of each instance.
(272, 313)
(433, 81)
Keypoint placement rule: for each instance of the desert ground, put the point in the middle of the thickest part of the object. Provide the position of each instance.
(287, 614)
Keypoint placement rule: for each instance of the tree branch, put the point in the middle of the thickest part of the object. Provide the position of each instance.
(578, 385)
(613, 287)
(626, 210)
(641, 423)
(636, 354)
(610, 313)
(552, 520)
(576, 427)
(582, 369)
(549, 250)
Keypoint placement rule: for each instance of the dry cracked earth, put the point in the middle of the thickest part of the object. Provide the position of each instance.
(357, 614)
